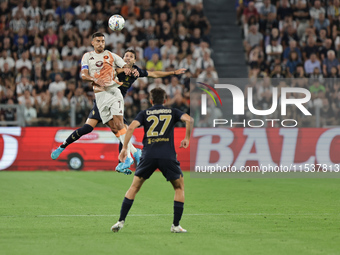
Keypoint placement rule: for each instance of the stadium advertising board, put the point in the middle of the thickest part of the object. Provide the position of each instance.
(272, 149)
(30, 148)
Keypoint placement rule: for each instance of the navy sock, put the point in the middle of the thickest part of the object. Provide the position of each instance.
(126, 205)
(178, 211)
(77, 134)
(120, 148)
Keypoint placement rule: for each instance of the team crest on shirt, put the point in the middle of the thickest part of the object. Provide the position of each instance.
(99, 63)
(106, 57)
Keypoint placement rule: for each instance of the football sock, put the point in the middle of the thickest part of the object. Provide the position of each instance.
(178, 211)
(126, 205)
(121, 136)
(77, 134)
(132, 148)
(120, 149)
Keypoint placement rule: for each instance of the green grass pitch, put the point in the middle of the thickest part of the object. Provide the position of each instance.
(72, 212)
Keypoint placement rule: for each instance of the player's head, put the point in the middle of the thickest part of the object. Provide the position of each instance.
(157, 96)
(98, 42)
(130, 57)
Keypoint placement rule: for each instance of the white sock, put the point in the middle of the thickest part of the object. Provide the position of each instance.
(130, 145)
(121, 139)
(132, 148)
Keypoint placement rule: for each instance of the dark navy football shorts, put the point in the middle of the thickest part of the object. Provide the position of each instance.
(170, 168)
(94, 113)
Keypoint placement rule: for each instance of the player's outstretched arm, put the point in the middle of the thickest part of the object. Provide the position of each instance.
(126, 70)
(160, 74)
(123, 154)
(119, 70)
(189, 124)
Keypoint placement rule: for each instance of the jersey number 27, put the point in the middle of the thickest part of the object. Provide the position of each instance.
(155, 121)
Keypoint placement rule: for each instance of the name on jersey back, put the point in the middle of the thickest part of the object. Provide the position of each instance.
(158, 111)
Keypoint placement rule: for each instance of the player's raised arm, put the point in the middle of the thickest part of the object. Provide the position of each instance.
(161, 74)
(119, 70)
(127, 71)
(123, 154)
(189, 123)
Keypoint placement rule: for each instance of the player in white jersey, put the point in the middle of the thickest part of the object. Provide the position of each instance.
(98, 67)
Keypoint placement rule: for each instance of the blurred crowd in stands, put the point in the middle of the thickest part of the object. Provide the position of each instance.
(298, 43)
(42, 43)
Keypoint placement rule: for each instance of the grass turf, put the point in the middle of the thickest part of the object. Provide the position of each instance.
(72, 212)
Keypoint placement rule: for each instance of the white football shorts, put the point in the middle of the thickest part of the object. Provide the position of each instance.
(110, 102)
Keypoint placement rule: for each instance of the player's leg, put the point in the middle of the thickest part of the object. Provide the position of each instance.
(111, 104)
(137, 153)
(173, 173)
(117, 127)
(88, 127)
(90, 124)
(116, 107)
(178, 186)
(118, 124)
(143, 172)
(178, 205)
(137, 183)
(127, 202)
(114, 130)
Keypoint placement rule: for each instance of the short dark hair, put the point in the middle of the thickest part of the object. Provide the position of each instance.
(132, 51)
(97, 34)
(158, 95)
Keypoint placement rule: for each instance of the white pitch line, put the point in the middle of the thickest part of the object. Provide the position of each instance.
(190, 214)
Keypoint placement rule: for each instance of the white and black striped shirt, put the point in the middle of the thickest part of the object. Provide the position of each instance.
(40, 50)
(16, 25)
(145, 23)
(80, 9)
(34, 11)
(83, 25)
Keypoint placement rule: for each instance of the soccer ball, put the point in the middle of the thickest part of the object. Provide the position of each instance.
(116, 22)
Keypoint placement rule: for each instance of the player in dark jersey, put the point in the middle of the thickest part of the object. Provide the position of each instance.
(94, 117)
(158, 152)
